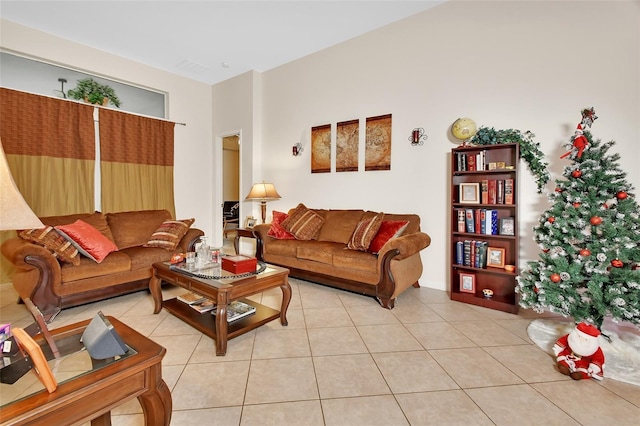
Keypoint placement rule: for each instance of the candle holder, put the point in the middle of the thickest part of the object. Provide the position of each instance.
(417, 136)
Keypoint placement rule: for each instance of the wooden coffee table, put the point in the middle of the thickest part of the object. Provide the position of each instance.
(91, 395)
(223, 291)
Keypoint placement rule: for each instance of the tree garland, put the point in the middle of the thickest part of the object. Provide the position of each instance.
(529, 149)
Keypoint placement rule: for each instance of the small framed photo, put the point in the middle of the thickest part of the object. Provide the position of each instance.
(467, 282)
(507, 226)
(250, 222)
(495, 257)
(469, 193)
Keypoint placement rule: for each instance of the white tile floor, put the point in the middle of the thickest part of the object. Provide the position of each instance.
(344, 360)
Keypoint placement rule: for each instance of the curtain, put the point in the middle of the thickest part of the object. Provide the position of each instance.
(136, 162)
(50, 148)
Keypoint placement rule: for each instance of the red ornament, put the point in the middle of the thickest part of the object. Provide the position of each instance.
(576, 205)
(576, 173)
(617, 263)
(595, 220)
(551, 219)
(585, 253)
(558, 190)
(605, 205)
(535, 290)
(555, 278)
(621, 195)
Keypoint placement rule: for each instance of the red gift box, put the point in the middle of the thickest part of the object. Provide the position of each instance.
(239, 264)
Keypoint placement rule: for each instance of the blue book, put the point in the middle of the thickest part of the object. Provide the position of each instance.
(491, 222)
(460, 253)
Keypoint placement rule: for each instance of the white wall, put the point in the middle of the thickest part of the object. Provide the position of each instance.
(189, 102)
(523, 65)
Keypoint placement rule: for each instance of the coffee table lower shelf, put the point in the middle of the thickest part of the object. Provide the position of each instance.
(206, 322)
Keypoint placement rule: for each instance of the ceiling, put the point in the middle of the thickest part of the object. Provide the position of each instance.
(210, 41)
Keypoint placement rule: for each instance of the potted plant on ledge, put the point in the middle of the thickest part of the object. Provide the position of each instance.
(93, 92)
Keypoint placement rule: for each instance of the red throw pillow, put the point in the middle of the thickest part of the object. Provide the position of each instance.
(388, 230)
(276, 230)
(88, 240)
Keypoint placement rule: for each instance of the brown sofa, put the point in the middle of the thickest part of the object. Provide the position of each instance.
(326, 259)
(52, 285)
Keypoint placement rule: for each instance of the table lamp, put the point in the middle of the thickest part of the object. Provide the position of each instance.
(15, 213)
(263, 192)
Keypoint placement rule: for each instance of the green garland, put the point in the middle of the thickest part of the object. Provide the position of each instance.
(529, 149)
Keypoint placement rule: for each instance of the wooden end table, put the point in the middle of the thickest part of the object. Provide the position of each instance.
(223, 291)
(91, 394)
(242, 232)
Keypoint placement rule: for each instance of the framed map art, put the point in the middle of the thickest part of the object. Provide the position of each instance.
(347, 134)
(321, 149)
(378, 143)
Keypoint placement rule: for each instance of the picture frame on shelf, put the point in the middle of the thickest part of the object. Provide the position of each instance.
(467, 282)
(250, 222)
(495, 257)
(507, 226)
(469, 193)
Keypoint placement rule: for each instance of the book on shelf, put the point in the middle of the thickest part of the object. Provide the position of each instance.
(204, 306)
(484, 191)
(461, 221)
(508, 191)
(190, 298)
(492, 191)
(472, 163)
(500, 192)
(237, 310)
(459, 253)
(469, 218)
(491, 222)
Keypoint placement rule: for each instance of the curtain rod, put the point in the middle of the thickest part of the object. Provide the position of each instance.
(97, 106)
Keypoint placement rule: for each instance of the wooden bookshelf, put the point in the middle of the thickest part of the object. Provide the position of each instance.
(470, 165)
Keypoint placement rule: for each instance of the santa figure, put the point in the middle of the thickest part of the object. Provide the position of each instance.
(578, 353)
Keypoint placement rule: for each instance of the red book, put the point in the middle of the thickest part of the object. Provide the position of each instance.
(492, 191)
(471, 162)
(477, 221)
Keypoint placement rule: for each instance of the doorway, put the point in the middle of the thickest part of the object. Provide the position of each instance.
(230, 189)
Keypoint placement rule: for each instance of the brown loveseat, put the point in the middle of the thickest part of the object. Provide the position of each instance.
(326, 259)
(52, 285)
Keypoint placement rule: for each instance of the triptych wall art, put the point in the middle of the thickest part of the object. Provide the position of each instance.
(377, 145)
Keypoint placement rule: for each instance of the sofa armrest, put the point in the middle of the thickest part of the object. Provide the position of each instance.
(260, 232)
(406, 245)
(190, 239)
(37, 274)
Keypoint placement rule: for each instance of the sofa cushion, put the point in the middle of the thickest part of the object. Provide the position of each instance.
(88, 240)
(388, 229)
(321, 252)
(365, 231)
(96, 219)
(303, 223)
(131, 229)
(169, 234)
(114, 263)
(276, 230)
(356, 260)
(144, 257)
(49, 238)
(339, 225)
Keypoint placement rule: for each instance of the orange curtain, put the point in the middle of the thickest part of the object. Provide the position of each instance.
(50, 148)
(136, 162)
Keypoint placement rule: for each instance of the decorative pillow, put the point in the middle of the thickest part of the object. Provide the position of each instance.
(276, 230)
(88, 240)
(169, 234)
(389, 229)
(303, 223)
(365, 231)
(49, 238)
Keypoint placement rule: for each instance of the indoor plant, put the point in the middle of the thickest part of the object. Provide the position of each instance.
(529, 149)
(93, 92)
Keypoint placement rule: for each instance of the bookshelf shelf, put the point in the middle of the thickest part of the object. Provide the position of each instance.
(491, 222)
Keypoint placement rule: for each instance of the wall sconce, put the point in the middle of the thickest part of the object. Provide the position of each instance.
(417, 136)
(297, 149)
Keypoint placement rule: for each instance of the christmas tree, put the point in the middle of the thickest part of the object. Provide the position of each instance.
(590, 239)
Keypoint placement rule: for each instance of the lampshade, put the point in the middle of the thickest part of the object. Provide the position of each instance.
(15, 213)
(263, 191)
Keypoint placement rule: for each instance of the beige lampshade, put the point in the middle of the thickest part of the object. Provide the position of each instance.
(15, 213)
(263, 192)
